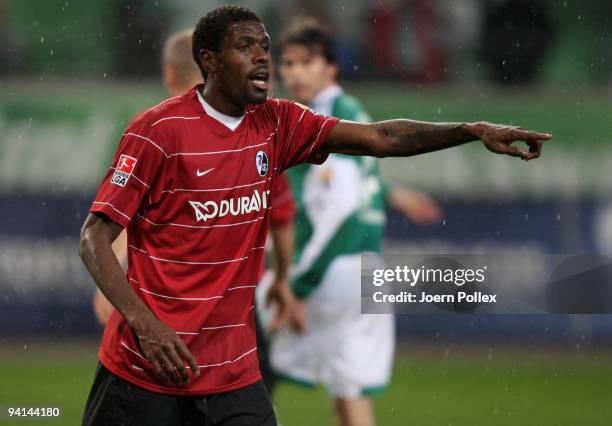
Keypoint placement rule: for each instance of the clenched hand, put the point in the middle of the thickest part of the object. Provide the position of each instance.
(498, 138)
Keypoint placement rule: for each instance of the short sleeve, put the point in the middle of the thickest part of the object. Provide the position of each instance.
(136, 165)
(302, 134)
(282, 204)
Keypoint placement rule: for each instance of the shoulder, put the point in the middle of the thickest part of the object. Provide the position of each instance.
(167, 110)
(348, 107)
(277, 111)
(158, 123)
(275, 106)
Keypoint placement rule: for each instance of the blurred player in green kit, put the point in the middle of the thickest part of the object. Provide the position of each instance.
(340, 215)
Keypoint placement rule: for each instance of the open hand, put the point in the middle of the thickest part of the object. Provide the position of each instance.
(280, 294)
(166, 351)
(298, 320)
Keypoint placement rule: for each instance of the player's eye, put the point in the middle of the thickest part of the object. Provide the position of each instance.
(243, 47)
(266, 47)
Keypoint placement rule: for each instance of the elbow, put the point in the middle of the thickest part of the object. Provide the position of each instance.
(379, 153)
(379, 145)
(379, 148)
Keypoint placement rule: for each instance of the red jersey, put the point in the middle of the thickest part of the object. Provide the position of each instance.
(195, 197)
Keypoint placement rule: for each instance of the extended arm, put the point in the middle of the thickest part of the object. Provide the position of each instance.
(159, 343)
(403, 138)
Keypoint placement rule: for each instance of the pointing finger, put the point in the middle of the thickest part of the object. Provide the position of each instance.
(529, 135)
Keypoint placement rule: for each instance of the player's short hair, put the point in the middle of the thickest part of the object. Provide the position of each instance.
(177, 53)
(314, 36)
(212, 28)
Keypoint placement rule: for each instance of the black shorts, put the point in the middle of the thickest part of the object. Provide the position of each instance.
(115, 402)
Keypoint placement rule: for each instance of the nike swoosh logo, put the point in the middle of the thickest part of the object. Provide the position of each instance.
(200, 174)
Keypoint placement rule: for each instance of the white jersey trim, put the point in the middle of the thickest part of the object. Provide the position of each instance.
(246, 185)
(317, 138)
(132, 350)
(240, 287)
(220, 262)
(198, 299)
(148, 140)
(174, 118)
(195, 263)
(219, 152)
(229, 361)
(223, 326)
(200, 226)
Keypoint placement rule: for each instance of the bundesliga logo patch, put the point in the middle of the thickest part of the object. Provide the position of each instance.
(124, 169)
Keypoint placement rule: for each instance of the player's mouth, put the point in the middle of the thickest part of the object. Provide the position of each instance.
(260, 79)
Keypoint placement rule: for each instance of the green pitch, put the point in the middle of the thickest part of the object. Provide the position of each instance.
(431, 386)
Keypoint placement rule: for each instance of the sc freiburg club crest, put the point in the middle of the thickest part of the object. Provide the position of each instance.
(262, 163)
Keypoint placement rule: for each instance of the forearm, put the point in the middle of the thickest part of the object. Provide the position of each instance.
(402, 137)
(97, 255)
(159, 344)
(283, 239)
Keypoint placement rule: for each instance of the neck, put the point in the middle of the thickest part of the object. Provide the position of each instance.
(316, 98)
(219, 101)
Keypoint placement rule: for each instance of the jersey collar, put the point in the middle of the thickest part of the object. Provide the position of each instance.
(227, 120)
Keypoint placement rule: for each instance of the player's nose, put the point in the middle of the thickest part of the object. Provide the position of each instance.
(261, 56)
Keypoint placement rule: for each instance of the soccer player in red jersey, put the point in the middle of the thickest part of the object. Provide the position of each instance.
(180, 74)
(191, 181)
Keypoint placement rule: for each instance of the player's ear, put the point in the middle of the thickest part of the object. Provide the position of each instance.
(208, 60)
(332, 71)
(169, 75)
